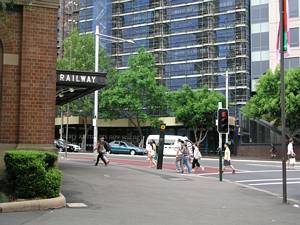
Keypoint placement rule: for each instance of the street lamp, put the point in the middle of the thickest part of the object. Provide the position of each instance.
(110, 38)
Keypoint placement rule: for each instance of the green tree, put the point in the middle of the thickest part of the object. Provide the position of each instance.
(79, 55)
(134, 93)
(265, 104)
(196, 109)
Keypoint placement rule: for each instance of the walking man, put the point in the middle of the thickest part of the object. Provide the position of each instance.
(227, 162)
(101, 147)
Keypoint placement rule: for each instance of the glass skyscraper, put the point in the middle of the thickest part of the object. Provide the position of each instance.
(194, 41)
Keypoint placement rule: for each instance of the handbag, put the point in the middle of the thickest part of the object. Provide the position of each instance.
(292, 160)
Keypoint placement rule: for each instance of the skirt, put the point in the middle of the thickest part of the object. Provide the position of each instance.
(227, 162)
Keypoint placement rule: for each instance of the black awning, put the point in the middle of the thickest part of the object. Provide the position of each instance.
(71, 85)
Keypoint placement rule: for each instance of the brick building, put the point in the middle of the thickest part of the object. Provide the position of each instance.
(28, 75)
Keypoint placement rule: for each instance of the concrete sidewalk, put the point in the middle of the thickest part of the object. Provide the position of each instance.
(129, 195)
(33, 205)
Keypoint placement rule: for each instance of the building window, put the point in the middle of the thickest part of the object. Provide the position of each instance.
(293, 8)
(294, 35)
(258, 68)
(260, 13)
(291, 63)
(260, 41)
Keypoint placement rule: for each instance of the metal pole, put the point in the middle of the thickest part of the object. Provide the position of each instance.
(67, 130)
(282, 102)
(61, 123)
(227, 87)
(96, 92)
(220, 150)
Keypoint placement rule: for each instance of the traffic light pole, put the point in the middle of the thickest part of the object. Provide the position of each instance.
(220, 148)
(282, 102)
(160, 154)
(227, 91)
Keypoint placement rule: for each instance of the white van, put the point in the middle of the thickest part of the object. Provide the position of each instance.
(169, 144)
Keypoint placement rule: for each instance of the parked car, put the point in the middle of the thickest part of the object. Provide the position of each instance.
(125, 147)
(61, 145)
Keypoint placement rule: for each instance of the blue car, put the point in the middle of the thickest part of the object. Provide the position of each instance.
(124, 147)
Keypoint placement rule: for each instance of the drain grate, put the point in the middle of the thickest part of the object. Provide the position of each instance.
(76, 205)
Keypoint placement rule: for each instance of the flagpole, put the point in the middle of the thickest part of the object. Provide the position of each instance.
(282, 99)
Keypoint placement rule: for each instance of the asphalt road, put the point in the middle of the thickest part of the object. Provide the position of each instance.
(265, 175)
(127, 192)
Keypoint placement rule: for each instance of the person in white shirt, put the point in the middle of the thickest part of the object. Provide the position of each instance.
(227, 162)
(291, 154)
(178, 158)
(150, 154)
(196, 157)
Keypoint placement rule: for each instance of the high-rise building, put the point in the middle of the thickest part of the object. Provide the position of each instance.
(95, 12)
(265, 20)
(194, 41)
(68, 17)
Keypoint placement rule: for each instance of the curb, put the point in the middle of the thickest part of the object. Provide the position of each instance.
(33, 205)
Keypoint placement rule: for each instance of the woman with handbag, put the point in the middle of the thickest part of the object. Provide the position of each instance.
(291, 154)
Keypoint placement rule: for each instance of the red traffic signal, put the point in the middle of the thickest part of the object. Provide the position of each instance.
(223, 125)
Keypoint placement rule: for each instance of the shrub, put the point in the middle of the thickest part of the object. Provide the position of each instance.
(32, 174)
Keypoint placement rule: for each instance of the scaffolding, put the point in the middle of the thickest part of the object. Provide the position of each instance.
(189, 35)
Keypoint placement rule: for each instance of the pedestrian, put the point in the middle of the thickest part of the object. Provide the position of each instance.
(186, 156)
(273, 151)
(196, 157)
(150, 154)
(178, 158)
(154, 147)
(227, 162)
(291, 154)
(101, 147)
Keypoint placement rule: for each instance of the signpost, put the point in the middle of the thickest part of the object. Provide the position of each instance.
(223, 128)
(162, 129)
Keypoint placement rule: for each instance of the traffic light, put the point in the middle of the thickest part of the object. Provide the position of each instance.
(223, 121)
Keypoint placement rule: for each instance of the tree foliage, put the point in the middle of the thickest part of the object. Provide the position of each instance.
(79, 55)
(196, 109)
(265, 104)
(134, 93)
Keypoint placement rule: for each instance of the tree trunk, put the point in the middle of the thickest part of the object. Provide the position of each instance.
(139, 129)
(137, 126)
(199, 139)
(85, 134)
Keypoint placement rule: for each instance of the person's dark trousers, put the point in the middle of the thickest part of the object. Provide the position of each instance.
(195, 163)
(100, 155)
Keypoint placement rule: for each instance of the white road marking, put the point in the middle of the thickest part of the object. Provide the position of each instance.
(266, 171)
(259, 180)
(263, 165)
(249, 171)
(274, 183)
(76, 205)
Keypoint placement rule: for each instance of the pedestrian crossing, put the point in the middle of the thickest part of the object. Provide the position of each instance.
(266, 182)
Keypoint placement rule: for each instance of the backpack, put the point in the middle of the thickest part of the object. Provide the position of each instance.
(185, 150)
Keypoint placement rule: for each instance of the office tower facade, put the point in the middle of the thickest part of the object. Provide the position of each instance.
(68, 17)
(95, 12)
(264, 37)
(194, 42)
